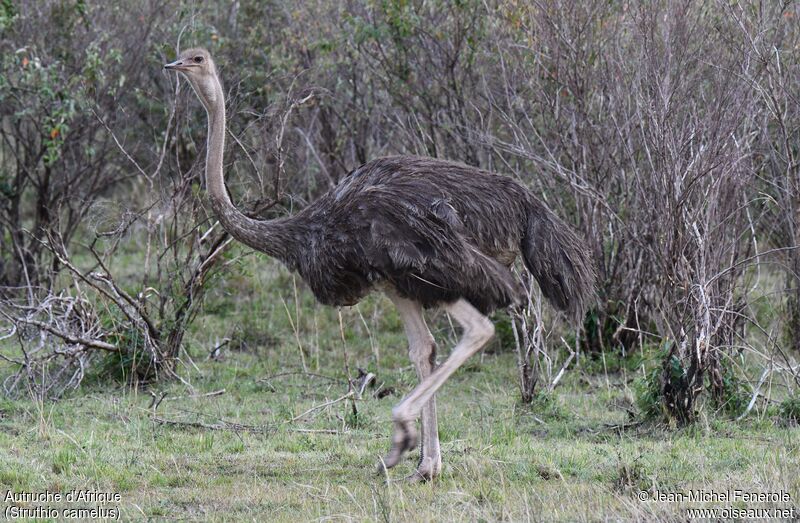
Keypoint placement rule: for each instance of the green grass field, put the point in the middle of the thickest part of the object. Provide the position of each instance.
(230, 443)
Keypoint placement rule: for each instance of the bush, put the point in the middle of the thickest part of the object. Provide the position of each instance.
(789, 410)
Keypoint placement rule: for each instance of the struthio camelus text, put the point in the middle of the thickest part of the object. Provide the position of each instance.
(426, 232)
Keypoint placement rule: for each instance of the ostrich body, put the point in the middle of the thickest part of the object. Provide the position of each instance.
(426, 232)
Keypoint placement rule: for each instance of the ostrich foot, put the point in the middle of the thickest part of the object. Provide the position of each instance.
(403, 440)
(427, 470)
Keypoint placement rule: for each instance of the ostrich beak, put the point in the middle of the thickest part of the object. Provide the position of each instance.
(177, 65)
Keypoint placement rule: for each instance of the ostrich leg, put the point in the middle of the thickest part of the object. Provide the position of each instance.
(477, 331)
(422, 351)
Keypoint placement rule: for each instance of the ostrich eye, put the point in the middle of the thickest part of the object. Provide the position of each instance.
(198, 59)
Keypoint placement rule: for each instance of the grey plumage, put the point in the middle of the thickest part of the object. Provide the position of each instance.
(436, 231)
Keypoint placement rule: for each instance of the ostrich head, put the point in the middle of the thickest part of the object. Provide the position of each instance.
(198, 67)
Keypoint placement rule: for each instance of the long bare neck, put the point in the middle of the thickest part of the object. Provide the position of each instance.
(215, 150)
(274, 237)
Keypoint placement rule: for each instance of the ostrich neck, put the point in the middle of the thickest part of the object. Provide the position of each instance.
(215, 179)
(274, 237)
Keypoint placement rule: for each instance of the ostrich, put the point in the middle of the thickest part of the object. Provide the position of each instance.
(424, 231)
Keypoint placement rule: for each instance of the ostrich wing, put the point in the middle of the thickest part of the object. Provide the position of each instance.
(420, 245)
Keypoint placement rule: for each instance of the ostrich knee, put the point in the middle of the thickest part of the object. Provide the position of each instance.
(480, 331)
(423, 355)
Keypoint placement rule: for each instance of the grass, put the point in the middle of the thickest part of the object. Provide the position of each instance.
(237, 454)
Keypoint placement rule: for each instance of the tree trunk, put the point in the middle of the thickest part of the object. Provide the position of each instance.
(793, 281)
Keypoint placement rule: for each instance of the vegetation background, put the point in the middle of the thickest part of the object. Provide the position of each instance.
(144, 352)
